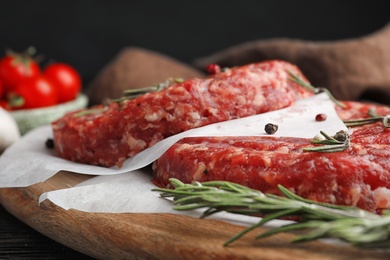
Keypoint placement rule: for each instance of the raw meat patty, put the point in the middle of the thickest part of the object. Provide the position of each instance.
(108, 135)
(358, 176)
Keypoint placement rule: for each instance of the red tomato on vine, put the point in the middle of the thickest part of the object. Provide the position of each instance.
(66, 80)
(34, 93)
(18, 67)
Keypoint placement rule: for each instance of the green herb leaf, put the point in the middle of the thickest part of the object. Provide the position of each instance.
(330, 144)
(89, 112)
(134, 93)
(374, 117)
(295, 78)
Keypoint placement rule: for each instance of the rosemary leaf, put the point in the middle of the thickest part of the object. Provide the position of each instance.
(134, 93)
(386, 120)
(315, 90)
(330, 144)
(130, 92)
(326, 148)
(374, 117)
(89, 112)
(352, 123)
(292, 227)
(266, 219)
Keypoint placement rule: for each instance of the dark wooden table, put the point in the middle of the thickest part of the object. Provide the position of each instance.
(19, 241)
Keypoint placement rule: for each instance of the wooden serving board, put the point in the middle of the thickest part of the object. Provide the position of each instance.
(156, 236)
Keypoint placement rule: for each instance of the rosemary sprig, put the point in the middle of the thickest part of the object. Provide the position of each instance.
(339, 142)
(317, 220)
(374, 117)
(129, 94)
(134, 93)
(315, 90)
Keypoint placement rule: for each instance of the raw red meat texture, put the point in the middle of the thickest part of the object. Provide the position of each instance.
(358, 176)
(108, 135)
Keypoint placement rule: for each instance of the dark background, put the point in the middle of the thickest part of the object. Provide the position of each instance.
(87, 34)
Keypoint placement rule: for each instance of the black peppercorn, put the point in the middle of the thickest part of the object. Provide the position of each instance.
(341, 136)
(49, 143)
(271, 128)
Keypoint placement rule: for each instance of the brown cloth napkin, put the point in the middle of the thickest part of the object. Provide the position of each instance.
(352, 69)
(135, 67)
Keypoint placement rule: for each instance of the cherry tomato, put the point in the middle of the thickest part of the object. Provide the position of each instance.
(34, 93)
(17, 67)
(66, 79)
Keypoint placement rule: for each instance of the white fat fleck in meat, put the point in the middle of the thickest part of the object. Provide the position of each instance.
(240, 100)
(169, 117)
(113, 145)
(149, 126)
(178, 94)
(355, 193)
(82, 130)
(235, 153)
(328, 162)
(267, 161)
(259, 99)
(214, 87)
(134, 144)
(212, 111)
(332, 198)
(382, 197)
(102, 161)
(79, 153)
(199, 172)
(194, 148)
(211, 165)
(60, 147)
(334, 186)
(170, 105)
(59, 126)
(89, 123)
(194, 115)
(155, 116)
(183, 147)
(179, 111)
(311, 165)
(200, 148)
(360, 150)
(283, 149)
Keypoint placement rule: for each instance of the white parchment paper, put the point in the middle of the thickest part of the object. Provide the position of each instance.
(28, 161)
(128, 189)
(130, 192)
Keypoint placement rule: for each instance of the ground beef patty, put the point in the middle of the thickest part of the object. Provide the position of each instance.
(358, 176)
(107, 135)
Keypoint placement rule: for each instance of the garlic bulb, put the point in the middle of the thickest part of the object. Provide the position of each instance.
(9, 131)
